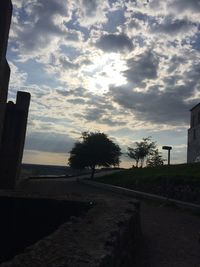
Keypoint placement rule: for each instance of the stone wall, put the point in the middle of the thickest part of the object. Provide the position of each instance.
(107, 236)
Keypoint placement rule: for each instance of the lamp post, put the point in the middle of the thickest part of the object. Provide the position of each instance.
(168, 148)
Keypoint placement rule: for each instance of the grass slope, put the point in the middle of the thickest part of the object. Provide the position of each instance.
(176, 181)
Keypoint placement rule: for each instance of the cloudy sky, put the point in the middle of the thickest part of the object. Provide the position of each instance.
(128, 68)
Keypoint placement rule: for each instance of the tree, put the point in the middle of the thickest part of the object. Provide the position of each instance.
(155, 159)
(134, 153)
(96, 149)
(141, 150)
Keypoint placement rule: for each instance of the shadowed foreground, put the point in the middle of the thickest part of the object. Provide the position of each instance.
(170, 237)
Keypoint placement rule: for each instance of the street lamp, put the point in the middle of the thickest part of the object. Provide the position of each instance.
(168, 148)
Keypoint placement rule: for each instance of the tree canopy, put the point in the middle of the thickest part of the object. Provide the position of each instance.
(155, 159)
(95, 150)
(146, 149)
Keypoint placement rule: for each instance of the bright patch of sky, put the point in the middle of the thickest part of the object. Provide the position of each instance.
(128, 68)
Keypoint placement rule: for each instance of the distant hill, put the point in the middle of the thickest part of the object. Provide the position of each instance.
(37, 169)
(34, 170)
(30, 170)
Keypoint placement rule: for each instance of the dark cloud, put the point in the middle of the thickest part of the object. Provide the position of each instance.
(141, 67)
(154, 106)
(172, 26)
(134, 24)
(100, 102)
(114, 43)
(49, 142)
(77, 101)
(78, 92)
(63, 93)
(139, 15)
(184, 5)
(112, 122)
(168, 106)
(102, 117)
(175, 62)
(41, 23)
(93, 114)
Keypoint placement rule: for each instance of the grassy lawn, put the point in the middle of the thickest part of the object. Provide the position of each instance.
(176, 181)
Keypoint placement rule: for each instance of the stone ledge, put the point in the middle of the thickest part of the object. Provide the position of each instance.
(143, 195)
(106, 236)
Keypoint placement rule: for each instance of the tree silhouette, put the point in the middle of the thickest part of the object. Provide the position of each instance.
(141, 150)
(155, 159)
(96, 149)
(134, 153)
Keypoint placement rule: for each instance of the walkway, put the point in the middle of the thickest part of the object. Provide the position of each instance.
(170, 235)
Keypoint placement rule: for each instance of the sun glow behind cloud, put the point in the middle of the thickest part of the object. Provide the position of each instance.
(129, 68)
(105, 70)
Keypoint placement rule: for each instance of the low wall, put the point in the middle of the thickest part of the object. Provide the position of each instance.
(25, 220)
(106, 236)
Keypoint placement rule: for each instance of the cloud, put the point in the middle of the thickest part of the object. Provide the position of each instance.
(93, 114)
(90, 7)
(67, 64)
(114, 43)
(18, 78)
(77, 101)
(103, 116)
(112, 122)
(155, 106)
(185, 5)
(171, 26)
(142, 67)
(115, 19)
(63, 92)
(68, 53)
(168, 100)
(91, 12)
(38, 27)
(78, 92)
(175, 63)
(49, 142)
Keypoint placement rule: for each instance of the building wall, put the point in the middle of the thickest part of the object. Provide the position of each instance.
(193, 153)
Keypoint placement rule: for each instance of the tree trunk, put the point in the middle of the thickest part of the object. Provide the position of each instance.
(93, 172)
(142, 162)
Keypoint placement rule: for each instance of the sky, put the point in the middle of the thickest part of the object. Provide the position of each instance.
(130, 69)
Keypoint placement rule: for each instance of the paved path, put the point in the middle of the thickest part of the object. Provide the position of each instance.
(170, 236)
(73, 178)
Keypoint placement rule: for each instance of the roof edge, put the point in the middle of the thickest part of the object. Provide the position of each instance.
(195, 106)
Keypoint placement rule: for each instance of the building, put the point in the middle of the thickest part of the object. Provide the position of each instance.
(193, 149)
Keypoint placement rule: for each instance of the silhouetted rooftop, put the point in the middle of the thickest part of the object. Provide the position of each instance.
(195, 106)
